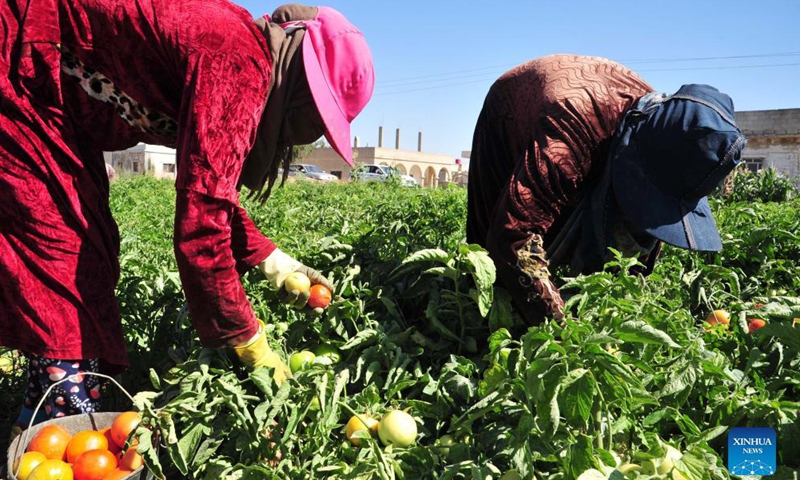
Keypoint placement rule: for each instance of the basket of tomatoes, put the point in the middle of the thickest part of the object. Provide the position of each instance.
(90, 446)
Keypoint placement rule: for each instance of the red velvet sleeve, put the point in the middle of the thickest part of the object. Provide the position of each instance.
(224, 96)
(250, 247)
(203, 239)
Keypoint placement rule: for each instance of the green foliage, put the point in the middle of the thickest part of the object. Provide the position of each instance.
(420, 326)
(766, 185)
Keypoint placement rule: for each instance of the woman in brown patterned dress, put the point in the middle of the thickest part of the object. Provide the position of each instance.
(572, 155)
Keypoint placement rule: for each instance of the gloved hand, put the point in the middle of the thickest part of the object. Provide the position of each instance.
(256, 352)
(535, 278)
(278, 266)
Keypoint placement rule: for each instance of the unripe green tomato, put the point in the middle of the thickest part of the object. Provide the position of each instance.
(281, 327)
(397, 428)
(300, 360)
(325, 350)
(444, 443)
(297, 281)
(511, 475)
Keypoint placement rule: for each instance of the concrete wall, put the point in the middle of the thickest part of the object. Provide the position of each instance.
(770, 123)
(773, 138)
(782, 154)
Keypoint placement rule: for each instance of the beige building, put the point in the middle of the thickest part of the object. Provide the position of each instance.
(144, 159)
(428, 169)
(773, 140)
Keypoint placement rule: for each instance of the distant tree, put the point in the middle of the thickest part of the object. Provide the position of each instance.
(302, 151)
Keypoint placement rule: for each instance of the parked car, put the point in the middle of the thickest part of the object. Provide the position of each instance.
(311, 171)
(380, 173)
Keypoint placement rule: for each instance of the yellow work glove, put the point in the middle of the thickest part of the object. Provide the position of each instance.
(256, 352)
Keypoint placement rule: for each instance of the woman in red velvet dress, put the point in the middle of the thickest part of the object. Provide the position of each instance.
(231, 94)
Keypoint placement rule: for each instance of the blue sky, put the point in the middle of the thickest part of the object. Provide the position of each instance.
(435, 60)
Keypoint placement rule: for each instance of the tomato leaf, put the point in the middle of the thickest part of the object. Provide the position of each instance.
(642, 332)
(577, 395)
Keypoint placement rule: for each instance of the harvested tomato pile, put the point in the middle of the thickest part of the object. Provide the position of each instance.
(55, 454)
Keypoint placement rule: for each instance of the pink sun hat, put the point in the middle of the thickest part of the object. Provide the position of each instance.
(340, 75)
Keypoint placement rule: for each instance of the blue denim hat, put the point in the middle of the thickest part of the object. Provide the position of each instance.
(668, 155)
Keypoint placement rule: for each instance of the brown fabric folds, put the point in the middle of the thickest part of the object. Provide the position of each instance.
(288, 91)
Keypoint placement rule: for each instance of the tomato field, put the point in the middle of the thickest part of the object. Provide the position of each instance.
(633, 384)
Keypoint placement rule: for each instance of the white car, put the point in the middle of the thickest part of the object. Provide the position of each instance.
(311, 171)
(380, 173)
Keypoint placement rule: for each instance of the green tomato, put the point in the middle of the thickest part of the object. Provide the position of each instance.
(397, 428)
(511, 475)
(444, 443)
(300, 360)
(281, 327)
(325, 350)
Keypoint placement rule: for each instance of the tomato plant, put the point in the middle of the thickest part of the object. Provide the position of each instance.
(422, 325)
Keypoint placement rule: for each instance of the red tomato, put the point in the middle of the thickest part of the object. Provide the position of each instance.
(718, 317)
(94, 465)
(131, 460)
(52, 441)
(83, 442)
(755, 324)
(319, 296)
(123, 425)
(112, 445)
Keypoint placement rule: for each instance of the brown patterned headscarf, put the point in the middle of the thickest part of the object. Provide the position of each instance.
(290, 116)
